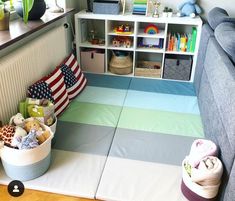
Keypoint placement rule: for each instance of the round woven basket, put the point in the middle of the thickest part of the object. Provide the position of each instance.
(121, 65)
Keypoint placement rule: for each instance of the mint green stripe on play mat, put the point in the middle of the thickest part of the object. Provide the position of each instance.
(102, 95)
(161, 122)
(90, 113)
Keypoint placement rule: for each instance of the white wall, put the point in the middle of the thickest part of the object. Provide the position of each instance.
(206, 5)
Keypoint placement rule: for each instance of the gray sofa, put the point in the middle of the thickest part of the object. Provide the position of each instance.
(215, 87)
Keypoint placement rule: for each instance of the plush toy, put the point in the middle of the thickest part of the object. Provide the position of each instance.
(19, 132)
(42, 135)
(17, 120)
(7, 134)
(27, 142)
(189, 8)
(32, 124)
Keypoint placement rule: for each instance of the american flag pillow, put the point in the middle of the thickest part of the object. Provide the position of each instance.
(74, 78)
(51, 87)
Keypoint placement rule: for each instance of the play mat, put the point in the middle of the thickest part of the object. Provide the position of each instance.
(122, 139)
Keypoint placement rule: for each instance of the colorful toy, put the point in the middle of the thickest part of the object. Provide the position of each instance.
(17, 120)
(7, 134)
(151, 29)
(121, 41)
(189, 8)
(123, 29)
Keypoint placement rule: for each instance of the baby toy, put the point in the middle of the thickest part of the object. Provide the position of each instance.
(122, 42)
(151, 29)
(27, 142)
(42, 135)
(17, 120)
(32, 124)
(6, 134)
(19, 132)
(123, 29)
(189, 8)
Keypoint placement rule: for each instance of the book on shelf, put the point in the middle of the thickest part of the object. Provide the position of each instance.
(182, 42)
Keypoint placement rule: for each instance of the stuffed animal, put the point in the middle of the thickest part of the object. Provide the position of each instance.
(27, 142)
(42, 135)
(17, 120)
(19, 132)
(7, 133)
(189, 8)
(32, 124)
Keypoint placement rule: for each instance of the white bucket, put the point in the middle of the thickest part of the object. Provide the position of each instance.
(27, 164)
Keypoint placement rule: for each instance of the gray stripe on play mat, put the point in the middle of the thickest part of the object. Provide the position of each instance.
(150, 147)
(83, 138)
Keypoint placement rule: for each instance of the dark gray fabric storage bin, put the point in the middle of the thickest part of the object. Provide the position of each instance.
(177, 67)
(106, 7)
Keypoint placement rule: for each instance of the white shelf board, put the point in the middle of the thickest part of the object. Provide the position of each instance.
(127, 75)
(89, 45)
(112, 33)
(140, 18)
(181, 53)
(120, 48)
(141, 33)
(154, 50)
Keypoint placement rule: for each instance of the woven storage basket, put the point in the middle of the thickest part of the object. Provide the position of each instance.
(121, 65)
(27, 164)
(146, 69)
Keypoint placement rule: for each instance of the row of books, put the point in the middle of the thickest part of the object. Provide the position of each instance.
(182, 42)
(139, 7)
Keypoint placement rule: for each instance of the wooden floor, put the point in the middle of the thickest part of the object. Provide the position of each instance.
(32, 195)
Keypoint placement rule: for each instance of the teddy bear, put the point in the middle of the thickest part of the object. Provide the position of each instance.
(17, 120)
(189, 8)
(42, 135)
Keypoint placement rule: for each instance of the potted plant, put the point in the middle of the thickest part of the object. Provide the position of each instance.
(4, 16)
(170, 12)
(30, 9)
(165, 12)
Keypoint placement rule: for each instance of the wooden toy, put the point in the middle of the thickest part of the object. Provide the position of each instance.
(151, 29)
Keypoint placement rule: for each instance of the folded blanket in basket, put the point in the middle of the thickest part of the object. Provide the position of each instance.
(199, 149)
(204, 181)
(208, 172)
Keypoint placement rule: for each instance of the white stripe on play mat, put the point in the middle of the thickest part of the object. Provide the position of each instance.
(132, 180)
(70, 173)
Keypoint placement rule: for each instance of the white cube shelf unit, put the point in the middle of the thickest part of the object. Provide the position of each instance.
(104, 25)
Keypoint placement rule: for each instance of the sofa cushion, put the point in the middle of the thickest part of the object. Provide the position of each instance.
(225, 35)
(217, 16)
(207, 33)
(221, 76)
(51, 87)
(74, 78)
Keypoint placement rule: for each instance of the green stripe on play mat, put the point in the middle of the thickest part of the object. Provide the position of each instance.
(92, 113)
(161, 122)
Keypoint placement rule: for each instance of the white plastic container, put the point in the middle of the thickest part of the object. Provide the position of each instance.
(27, 164)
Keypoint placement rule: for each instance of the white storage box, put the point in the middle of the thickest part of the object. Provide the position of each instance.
(92, 61)
(27, 164)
